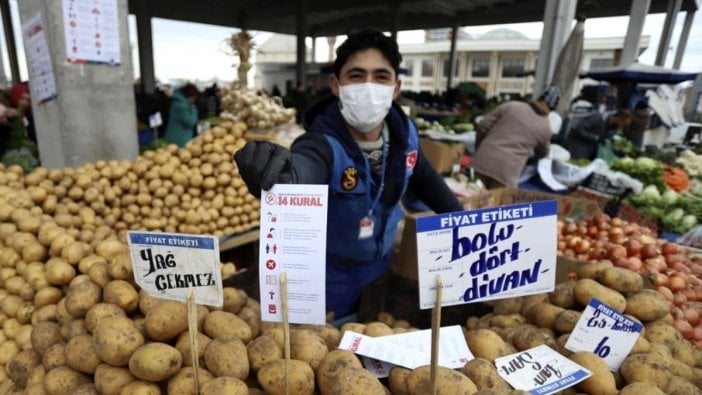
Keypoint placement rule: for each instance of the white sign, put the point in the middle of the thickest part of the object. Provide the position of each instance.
(41, 71)
(487, 254)
(605, 332)
(168, 265)
(91, 29)
(293, 240)
(540, 371)
(409, 350)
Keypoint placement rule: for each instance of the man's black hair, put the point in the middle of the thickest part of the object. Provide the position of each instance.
(368, 38)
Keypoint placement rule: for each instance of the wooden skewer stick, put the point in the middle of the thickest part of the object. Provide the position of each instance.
(286, 326)
(435, 327)
(192, 334)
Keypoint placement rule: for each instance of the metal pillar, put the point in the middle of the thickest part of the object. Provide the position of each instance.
(146, 48)
(452, 54)
(558, 15)
(682, 43)
(331, 41)
(670, 15)
(10, 40)
(637, 17)
(301, 48)
(394, 18)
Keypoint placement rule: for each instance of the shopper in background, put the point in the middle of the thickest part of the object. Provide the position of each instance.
(584, 137)
(182, 116)
(508, 136)
(21, 104)
(19, 145)
(363, 146)
(640, 118)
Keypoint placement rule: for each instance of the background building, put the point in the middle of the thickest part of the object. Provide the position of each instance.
(500, 61)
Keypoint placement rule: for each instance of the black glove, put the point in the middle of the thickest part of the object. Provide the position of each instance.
(263, 164)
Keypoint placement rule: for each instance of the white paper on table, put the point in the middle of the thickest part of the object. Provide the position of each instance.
(293, 239)
(409, 350)
(546, 174)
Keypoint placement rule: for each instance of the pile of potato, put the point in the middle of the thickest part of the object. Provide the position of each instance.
(194, 190)
(256, 109)
(74, 321)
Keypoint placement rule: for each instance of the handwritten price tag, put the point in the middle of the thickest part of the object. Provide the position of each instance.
(606, 332)
(168, 265)
(540, 371)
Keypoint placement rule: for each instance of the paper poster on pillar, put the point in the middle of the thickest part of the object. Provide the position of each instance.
(91, 29)
(41, 71)
(487, 254)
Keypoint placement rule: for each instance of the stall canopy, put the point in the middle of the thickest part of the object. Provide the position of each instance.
(639, 73)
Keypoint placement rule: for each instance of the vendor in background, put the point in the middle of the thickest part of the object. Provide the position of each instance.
(182, 116)
(366, 149)
(640, 117)
(508, 136)
(583, 139)
(19, 145)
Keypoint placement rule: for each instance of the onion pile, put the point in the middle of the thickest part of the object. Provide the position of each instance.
(675, 271)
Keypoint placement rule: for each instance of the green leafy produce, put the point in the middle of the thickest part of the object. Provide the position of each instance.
(582, 162)
(647, 170)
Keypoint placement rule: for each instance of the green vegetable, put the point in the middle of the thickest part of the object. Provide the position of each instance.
(688, 222)
(669, 198)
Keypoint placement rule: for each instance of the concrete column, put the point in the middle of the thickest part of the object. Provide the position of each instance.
(684, 35)
(146, 47)
(493, 74)
(394, 18)
(452, 54)
(668, 26)
(94, 116)
(331, 41)
(558, 15)
(10, 41)
(637, 17)
(314, 49)
(301, 49)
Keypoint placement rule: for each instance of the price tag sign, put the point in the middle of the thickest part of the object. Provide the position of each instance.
(168, 265)
(487, 254)
(606, 332)
(540, 371)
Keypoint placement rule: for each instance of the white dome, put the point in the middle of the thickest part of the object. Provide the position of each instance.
(503, 34)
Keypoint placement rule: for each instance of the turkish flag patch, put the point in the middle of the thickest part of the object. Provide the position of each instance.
(411, 160)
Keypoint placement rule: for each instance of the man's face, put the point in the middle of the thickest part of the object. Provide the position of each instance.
(366, 66)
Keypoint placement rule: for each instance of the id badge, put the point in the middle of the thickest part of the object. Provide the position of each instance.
(366, 228)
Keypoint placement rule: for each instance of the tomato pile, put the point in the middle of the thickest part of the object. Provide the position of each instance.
(675, 271)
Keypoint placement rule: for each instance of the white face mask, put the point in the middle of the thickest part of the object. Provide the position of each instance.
(364, 106)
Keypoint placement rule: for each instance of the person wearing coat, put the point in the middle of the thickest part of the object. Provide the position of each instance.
(583, 140)
(508, 136)
(362, 145)
(182, 116)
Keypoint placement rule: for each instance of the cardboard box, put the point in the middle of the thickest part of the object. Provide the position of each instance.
(442, 155)
(572, 208)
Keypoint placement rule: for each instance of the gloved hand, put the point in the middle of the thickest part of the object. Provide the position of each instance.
(263, 164)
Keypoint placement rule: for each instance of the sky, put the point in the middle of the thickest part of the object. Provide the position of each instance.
(192, 51)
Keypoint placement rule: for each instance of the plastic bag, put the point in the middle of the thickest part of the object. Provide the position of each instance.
(605, 151)
(693, 237)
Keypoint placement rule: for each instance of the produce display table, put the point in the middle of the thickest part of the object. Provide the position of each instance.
(238, 240)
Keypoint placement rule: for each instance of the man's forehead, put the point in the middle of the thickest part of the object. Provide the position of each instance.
(370, 59)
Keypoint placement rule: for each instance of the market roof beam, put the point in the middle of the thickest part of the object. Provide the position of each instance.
(333, 17)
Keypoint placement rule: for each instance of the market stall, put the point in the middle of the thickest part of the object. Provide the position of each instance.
(560, 297)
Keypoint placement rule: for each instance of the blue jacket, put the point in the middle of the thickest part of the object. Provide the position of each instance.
(327, 154)
(182, 118)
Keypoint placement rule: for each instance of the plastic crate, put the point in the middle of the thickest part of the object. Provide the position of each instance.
(600, 183)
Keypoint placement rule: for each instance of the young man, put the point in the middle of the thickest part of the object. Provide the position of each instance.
(364, 147)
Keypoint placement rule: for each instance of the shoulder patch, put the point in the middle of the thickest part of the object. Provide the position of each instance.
(411, 160)
(349, 179)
